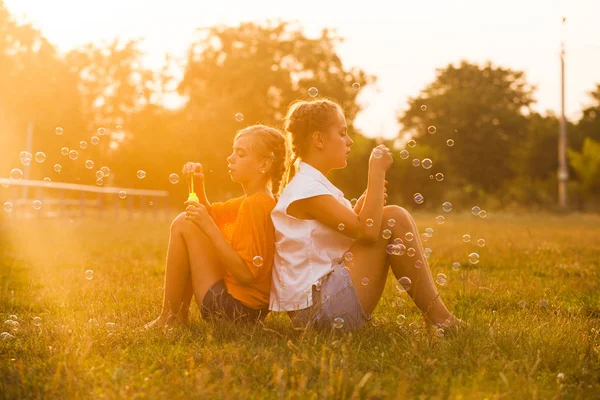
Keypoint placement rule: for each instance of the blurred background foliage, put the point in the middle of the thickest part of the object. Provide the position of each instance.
(504, 154)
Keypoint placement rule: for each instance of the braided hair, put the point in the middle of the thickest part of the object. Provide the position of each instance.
(301, 121)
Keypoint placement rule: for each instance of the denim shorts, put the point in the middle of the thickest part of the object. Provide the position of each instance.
(335, 304)
(218, 303)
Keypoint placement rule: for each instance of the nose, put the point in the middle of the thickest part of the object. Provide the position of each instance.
(351, 142)
(229, 159)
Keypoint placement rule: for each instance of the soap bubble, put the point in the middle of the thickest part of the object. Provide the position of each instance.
(411, 143)
(431, 129)
(141, 174)
(174, 178)
(418, 264)
(57, 168)
(64, 151)
(423, 107)
(119, 128)
(482, 213)
(404, 154)
(341, 226)
(313, 92)
(47, 180)
(6, 336)
(473, 258)
(397, 241)
(110, 326)
(522, 304)
(89, 274)
(466, 238)
(101, 131)
(450, 142)
(8, 206)
(105, 171)
(404, 284)
(37, 205)
(73, 154)
(475, 210)
(122, 194)
(391, 222)
(89, 164)
(386, 234)
(429, 230)
(239, 117)
(59, 131)
(83, 144)
(16, 174)
(338, 323)
(40, 156)
(37, 321)
(99, 181)
(409, 236)
(441, 279)
(410, 252)
(481, 242)
(377, 153)
(427, 163)
(426, 236)
(364, 281)
(418, 198)
(416, 162)
(369, 222)
(99, 174)
(348, 256)
(400, 319)
(439, 177)
(399, 250)
(440, 219)
(456, 266)
(13, 317)
(543, 303)
(257, 261)
(447, 206)
(390, 249)
(427, 252)
(95, 140)
(399, 302)
(356, 86)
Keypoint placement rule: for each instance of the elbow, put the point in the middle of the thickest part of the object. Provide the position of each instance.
(368, 236)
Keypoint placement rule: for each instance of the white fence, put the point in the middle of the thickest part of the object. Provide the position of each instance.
(70, 200)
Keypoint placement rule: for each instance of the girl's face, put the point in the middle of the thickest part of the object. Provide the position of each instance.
(336, 142)
(243, 163)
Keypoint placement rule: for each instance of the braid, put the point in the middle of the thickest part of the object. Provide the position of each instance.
(301, 121)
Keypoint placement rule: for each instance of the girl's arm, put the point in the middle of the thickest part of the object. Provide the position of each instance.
(361, 200)
(362, 226)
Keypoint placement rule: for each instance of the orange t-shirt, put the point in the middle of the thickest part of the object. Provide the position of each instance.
(246, 224)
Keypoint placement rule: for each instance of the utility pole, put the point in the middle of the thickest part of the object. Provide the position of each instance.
(563, 172)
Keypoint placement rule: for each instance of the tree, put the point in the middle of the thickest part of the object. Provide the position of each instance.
(483, 110)
(587, 166)
(256, 70)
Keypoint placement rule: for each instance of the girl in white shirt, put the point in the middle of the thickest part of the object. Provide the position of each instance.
(331, 259)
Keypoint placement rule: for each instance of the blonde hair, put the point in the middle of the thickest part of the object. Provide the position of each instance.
(270, 143)
(301, 121)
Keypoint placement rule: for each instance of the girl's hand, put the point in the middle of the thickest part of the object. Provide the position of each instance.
(193, 168)
(198, 214)
(381, 159)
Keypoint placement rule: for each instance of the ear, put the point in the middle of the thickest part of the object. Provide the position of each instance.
(265, 164)
(317, 138)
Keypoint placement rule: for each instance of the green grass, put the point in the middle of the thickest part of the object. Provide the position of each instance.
(508, 352)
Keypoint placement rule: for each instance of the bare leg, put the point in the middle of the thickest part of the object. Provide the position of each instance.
(371, 262)
(192, 268)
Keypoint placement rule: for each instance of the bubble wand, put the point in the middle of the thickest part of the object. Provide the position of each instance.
(190, 182)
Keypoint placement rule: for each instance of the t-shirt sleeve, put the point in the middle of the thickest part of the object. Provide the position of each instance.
(254, 237)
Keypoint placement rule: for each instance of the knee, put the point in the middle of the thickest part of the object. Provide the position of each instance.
(398, 213)
(179, 223)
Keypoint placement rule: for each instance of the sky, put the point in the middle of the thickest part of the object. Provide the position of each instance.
(400, 42)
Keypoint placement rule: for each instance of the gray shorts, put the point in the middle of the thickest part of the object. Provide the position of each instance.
(335, 304)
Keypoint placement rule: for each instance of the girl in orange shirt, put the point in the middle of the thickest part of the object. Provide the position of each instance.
(222, 253)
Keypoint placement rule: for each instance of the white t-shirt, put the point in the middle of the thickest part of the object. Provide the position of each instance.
(305, 250)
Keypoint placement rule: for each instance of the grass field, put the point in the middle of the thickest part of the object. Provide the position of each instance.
(510, 351)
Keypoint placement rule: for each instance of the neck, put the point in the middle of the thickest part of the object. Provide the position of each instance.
(256, 186)
(317, 163)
